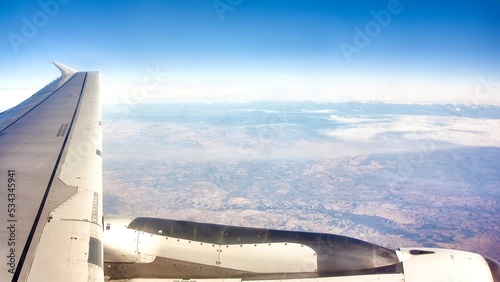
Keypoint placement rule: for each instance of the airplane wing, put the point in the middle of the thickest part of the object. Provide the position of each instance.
(51, 183)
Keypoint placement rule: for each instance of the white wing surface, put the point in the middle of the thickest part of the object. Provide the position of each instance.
(51, 183)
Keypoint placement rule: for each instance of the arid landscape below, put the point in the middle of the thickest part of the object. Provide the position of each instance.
(397, 176)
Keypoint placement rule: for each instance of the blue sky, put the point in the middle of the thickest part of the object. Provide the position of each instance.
(243, 50)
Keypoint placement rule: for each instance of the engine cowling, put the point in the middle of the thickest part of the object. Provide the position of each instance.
(144, 247)
(121, 244)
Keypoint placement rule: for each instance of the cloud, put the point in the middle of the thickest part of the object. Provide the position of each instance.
(454, 130)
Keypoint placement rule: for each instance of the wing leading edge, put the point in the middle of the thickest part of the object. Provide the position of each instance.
(51, 171)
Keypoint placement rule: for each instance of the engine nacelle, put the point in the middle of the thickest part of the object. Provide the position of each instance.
(432, 264)
(121, 244)
(144, 247)
(153, 248)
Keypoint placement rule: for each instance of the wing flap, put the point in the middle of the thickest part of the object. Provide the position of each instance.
(66, 252)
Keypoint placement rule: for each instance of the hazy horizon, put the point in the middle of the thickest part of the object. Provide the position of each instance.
(212, 51)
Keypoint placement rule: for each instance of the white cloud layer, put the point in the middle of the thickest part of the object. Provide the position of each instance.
(454, 130)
